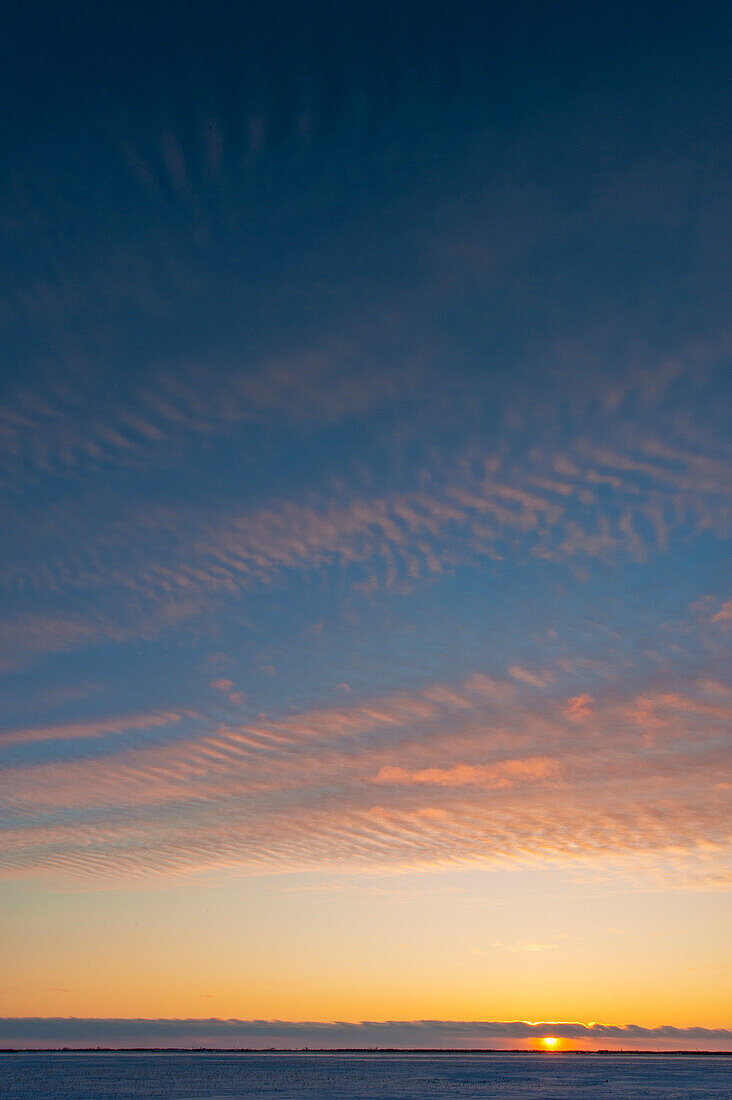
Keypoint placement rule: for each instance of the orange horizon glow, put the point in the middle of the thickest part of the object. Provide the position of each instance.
(353, 947)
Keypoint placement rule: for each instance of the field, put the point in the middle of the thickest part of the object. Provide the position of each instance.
(362, 1076)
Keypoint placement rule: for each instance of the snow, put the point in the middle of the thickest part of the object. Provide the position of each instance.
(362, 1076)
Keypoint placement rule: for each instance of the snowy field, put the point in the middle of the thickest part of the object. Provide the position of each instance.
(368, 1076)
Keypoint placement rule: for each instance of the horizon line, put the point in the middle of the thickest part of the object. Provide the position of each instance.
(351, 1050)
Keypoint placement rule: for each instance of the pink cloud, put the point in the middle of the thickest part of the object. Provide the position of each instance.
(533, 678)
(66, 432)
(97, 728)
(506, 773)
(222, 685)
(297, 790)
(724, 615)
(478, 510)
(579, 708)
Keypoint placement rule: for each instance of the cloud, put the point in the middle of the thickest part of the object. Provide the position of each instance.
(724, 615)
(475, 773)
(531, 948)
(232, 1033)
(74, 430)
(579, 708)
(25, 638)
(29, 636)
(532, 678)
(506, 774)
(151, 568)
(93, 729)
(175, 564)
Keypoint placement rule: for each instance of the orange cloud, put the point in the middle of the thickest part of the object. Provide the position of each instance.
(507, 773)
(579, 708)
(296, 790)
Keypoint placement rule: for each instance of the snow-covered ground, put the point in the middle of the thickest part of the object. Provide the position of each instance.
(368, 1076)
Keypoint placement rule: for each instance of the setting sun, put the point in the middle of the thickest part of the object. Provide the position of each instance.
(550, 1042)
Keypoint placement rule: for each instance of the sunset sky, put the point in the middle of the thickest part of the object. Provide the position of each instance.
(366, 496)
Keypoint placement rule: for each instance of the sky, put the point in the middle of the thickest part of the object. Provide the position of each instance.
(365, 481)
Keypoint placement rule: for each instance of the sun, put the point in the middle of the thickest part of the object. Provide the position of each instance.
(549, 1042)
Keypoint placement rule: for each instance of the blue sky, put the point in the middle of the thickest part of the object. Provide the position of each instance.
(365, 463)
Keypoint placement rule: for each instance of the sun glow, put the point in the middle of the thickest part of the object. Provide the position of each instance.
(550, 1042)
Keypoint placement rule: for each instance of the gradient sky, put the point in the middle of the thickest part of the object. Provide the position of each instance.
(365, 477)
